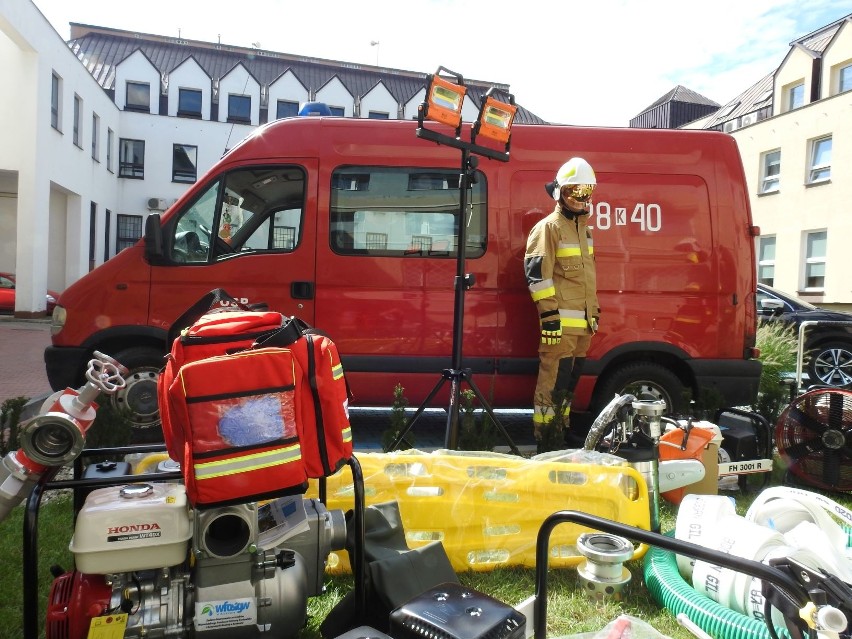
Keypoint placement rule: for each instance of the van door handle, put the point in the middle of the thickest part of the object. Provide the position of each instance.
(302, 290)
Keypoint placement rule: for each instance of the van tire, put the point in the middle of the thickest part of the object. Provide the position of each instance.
(645, 380)
(139, 397)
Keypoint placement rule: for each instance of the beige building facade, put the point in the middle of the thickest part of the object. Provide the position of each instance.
(794, 131)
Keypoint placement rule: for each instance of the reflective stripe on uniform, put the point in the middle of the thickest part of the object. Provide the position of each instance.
(542, 289)
(590, 243)
(566, 249)
(545, 414)
(247, 463)
(573, 319)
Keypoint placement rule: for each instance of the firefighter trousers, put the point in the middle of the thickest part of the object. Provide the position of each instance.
(558, 373)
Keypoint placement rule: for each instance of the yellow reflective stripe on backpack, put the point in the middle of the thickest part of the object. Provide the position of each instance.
(247, 463)
(337, 371)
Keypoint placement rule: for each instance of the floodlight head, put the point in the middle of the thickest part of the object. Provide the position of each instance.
(495, 118)
(444, 99)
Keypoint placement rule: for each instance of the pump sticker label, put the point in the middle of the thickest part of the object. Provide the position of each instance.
(107, 627)
(229, 613)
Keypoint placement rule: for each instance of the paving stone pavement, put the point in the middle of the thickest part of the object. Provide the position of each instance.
(22, 344)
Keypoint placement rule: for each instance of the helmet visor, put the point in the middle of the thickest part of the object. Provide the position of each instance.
(579, 192)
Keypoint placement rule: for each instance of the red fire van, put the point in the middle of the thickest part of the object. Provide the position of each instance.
(352, 226)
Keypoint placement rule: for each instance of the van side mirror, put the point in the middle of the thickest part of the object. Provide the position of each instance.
(154, 252)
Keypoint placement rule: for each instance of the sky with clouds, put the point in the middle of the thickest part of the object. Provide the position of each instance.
(590, 62)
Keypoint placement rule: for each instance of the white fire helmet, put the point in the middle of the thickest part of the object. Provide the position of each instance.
(574, 171)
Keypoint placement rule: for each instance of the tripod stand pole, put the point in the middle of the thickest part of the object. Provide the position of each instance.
(456, 374)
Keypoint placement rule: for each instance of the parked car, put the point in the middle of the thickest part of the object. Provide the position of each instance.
(7, 295)
(828, 347)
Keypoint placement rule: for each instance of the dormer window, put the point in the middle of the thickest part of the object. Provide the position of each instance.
(239, 108)
(138, 97)
(189, 103)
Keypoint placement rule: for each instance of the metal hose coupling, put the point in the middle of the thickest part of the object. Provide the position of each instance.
(603, 574)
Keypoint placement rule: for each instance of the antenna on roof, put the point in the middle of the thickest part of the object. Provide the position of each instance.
(256, 45)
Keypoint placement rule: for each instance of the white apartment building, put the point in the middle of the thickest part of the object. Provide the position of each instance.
(113, 125)
(794, 131)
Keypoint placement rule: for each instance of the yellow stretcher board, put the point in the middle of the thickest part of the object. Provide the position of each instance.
(487, 508)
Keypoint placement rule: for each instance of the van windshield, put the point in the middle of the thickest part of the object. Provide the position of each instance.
(246, 210)
(404, 212)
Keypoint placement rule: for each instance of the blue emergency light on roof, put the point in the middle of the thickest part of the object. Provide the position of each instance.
(314, 108)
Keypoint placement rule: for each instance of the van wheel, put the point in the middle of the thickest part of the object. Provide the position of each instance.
(139, 397)
(646, 381)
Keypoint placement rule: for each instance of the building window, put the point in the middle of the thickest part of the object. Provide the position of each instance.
(286, 109)
(110, 140)
(337, 111)
(184, 163)
(796, 96)
(239, 108)
(93, 224)
(378, 115)
(78, 120)
(820, 161)
(770, 168)
(815, 245)
(55, 102)
(845, 79)
(138, 96)
(107, 231)
(189, 103)
(96, 134)
(128, 232)
(131, 158)
(766, 260)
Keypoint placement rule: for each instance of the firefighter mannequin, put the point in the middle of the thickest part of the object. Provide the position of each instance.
(560, 269)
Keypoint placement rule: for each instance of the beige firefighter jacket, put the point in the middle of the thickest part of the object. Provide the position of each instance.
(560, 269)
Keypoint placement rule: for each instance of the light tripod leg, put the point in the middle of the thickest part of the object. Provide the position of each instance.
(487, 408)
(410, 423)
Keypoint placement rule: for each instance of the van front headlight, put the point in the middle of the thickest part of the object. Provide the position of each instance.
(57, 319)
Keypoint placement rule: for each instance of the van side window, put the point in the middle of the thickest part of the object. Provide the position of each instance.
(404, 212)
(246, 210)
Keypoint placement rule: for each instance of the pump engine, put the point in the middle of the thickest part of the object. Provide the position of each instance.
(150, 564)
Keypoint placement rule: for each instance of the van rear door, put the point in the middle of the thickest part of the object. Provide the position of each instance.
(250, 230)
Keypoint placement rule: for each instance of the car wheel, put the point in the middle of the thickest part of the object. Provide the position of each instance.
(139, 396)
(831, 364)
(645, 381)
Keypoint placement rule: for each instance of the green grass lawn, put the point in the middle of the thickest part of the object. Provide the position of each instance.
(569, 611)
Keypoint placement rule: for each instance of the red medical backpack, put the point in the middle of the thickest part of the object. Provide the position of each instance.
(252, 404)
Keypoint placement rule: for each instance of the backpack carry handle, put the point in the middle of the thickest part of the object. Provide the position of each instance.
(216, 300)
(292, 329)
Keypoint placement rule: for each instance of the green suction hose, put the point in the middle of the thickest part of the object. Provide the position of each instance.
(671, 591)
